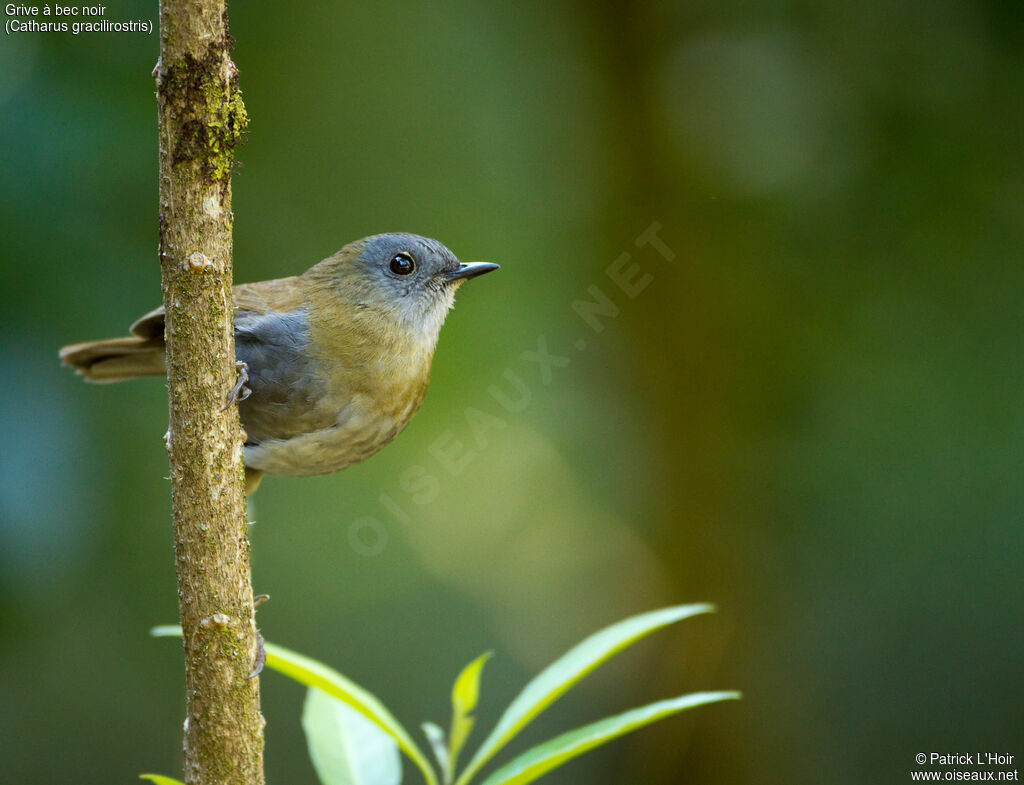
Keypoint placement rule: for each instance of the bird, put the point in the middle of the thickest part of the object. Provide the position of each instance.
(335, 362)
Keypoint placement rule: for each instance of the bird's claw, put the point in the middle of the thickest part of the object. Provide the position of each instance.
(240, 391)
(261, 658)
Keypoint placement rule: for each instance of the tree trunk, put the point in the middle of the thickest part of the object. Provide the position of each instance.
(201, 119)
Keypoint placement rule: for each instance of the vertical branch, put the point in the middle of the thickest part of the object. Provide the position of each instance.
(201, 119)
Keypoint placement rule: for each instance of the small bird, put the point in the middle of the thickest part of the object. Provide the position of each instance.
(338, 358)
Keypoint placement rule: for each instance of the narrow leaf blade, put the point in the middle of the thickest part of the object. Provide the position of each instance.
(160, 779)
(558, 677)
(543, 758)
(435, 735)
(465, 695)
(346, 748)
(164, 631)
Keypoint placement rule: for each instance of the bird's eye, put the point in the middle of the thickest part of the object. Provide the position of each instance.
(402, 264)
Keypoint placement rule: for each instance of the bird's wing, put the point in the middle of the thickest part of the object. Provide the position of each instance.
(150, 326)
(281, 294)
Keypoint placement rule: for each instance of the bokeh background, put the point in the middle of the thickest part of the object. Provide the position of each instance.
(813, 416)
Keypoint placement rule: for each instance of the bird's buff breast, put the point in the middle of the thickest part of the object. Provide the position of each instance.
(328, 395)
(358, 433)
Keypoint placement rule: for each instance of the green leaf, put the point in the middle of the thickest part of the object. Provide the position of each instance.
(315, 674)
(543, 758)
(558, 677)
(465, 695)
(165, 631)
(160, 779)
(345, 747)
(308, 671)
(435, 736)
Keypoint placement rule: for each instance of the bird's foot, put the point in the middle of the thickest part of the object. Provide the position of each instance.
(261, 658)
(241, 390)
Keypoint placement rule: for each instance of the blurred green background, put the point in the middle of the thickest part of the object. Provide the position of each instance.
(813, 416)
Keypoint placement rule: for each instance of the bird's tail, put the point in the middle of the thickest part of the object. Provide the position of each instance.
(116, 359)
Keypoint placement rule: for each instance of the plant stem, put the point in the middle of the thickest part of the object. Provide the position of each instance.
(201, 119)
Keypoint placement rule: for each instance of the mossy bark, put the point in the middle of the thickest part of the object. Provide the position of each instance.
(201, 119)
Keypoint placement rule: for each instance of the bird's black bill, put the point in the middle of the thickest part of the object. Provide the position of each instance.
(471, 270)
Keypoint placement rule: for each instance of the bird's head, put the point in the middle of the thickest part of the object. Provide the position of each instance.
(404, 278)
